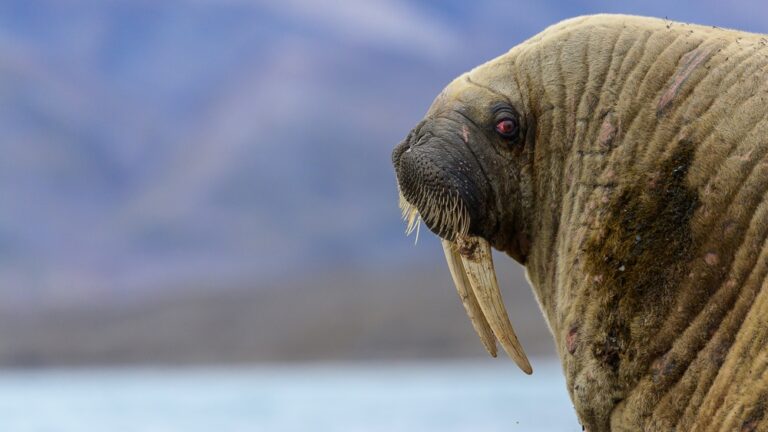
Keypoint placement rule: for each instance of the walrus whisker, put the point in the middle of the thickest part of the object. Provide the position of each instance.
(446, 212)
(418, 226)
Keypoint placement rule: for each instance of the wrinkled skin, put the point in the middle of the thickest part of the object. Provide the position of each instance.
(456, 151)
(633, 187)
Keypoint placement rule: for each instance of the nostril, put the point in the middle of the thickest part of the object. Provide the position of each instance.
(401, 148)
(407, 144)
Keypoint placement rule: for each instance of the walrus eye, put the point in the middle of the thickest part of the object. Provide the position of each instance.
(507, 127)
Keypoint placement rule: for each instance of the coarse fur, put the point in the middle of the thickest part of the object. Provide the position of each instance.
(637, 199)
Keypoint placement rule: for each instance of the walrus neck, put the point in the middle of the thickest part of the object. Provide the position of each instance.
(643, 265)
(564, 129)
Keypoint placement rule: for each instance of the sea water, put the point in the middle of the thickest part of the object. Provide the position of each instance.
(335, 397)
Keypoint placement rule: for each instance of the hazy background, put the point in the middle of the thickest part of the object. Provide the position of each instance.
(207, 181)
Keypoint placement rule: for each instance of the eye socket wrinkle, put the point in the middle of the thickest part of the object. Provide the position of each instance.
(502, 107)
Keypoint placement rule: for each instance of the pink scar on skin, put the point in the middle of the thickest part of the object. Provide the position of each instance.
(571, 339)
(746, 157)
(690, 61)
(711, 258)
(465, 133)
(653, 179)
(663, 366)
(607, 132)
(729, 228)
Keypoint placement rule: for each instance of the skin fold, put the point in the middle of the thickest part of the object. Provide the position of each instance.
(634, 190)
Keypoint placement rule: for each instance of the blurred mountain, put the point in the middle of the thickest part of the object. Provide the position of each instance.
(146, 144)
(413, 313)
(182, 164)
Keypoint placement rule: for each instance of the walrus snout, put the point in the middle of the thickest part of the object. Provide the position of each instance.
(456, 171)
(442, 182)
(439, 178)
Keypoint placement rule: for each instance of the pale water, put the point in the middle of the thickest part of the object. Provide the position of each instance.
(424, 397)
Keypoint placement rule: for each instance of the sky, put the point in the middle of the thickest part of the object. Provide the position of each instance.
(149, 145)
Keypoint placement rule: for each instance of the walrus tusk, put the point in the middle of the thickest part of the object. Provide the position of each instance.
(476, 257)
(468, 298)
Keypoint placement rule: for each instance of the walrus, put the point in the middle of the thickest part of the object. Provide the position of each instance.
(623, 162)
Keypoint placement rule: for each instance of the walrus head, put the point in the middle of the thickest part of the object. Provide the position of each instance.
(464, 171)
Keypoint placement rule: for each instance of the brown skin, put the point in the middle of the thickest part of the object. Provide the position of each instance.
(635, 192)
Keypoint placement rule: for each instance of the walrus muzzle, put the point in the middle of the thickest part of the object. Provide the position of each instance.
(446, 193)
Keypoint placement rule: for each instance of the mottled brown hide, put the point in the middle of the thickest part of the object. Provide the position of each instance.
(652, 147)
(640, 252)
(657, 261)
(640, 188)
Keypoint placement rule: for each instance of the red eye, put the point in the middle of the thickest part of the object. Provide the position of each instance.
(507, 127)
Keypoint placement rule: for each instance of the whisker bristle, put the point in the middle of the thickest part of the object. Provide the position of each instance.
(444, 211)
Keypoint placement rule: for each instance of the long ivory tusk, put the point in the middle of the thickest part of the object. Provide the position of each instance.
(468, 298)
(476, 257)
